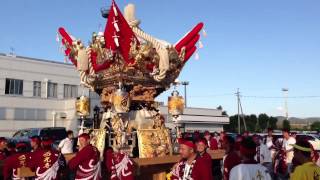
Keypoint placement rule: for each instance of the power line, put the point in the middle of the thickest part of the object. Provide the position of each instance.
(281, 97)
(258, 97)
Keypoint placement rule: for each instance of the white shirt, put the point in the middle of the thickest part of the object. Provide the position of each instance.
(286, 146)
(66, 146)
(249, 172)
(265, 154)
(186, 171)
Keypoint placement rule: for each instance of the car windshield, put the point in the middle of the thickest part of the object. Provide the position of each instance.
(55, 134)
(305, 137)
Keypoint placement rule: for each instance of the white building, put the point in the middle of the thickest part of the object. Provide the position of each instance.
(41, 93)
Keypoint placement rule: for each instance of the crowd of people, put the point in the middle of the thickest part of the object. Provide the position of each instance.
(49, 163)
(247, 157)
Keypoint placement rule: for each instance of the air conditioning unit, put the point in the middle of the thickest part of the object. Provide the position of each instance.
(63, 115)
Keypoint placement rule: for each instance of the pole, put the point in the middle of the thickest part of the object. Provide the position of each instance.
(285, 93)
(238, 102)
(54, 119)
(185, 95)
(242, 115)
(185, 84)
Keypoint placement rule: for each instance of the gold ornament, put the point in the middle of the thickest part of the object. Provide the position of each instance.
(83, 106)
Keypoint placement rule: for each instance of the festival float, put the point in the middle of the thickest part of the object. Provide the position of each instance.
(129, 68)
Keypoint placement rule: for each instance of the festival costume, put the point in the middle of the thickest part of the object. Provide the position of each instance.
(87, 164)
(119, 166)
(3, 155)
(11, 165)
(230, 160)
(197, 170)
(306, 171)
(46, 163)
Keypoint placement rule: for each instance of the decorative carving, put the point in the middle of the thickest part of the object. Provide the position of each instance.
(141, 93)
(98, 137)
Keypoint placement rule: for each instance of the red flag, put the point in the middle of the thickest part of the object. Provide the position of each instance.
(118, 35)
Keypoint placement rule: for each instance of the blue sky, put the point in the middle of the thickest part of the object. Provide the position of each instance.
(257, 46)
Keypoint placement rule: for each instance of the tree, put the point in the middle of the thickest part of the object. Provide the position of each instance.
(251, 122)
(286, 124)
(233, 124)
(263, 121)
(315, 126)
(273, 122)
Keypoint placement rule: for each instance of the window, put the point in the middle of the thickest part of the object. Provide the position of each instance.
(70, 91)
(52, 90)
(36, 88)
(14, 86)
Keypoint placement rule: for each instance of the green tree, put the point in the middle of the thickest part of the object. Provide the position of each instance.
(273, 122)
(263, 121)
(286, 124)
(251, 121)
(315, 126)
(233, 124)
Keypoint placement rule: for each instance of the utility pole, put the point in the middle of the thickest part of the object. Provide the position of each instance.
(240, 109)
(185, 84)
(238, 100)
(285, 94)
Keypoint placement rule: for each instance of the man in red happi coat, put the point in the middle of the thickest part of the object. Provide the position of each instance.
(87, 160)
(15, 161)
(46, 162)
(3, 146)
(202, 146)
(118, 165)
(191, 166)
(231, 158)
(212, 142)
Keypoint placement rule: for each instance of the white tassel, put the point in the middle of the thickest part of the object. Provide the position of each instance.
(200, 45)
(197, 56)
(58, 38)
(204, 33)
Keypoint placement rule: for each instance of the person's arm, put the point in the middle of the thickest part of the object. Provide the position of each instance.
(61, 144)
(76, 161)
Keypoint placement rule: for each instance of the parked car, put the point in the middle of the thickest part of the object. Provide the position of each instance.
(313, 139)
(56, 133)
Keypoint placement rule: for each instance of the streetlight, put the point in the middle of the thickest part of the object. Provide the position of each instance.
(285, 94)
(185, 84)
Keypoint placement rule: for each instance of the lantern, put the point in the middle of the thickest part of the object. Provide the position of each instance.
(83, 106)
(175, 104)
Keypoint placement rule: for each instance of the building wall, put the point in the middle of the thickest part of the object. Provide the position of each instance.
(25, 111)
